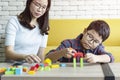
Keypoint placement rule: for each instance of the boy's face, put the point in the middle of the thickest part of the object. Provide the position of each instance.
(91, 39)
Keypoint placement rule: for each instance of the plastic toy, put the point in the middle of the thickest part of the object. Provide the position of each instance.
(80, 55)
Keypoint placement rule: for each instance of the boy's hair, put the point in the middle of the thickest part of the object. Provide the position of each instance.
(101, 27)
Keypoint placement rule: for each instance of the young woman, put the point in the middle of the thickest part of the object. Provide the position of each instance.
(27, 33)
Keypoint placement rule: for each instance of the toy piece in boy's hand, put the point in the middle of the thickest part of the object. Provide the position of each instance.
(70, 52)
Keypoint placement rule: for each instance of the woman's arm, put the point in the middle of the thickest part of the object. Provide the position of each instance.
(41, 53)
(11, 54)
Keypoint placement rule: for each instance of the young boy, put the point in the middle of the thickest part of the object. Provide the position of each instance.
(89, 42)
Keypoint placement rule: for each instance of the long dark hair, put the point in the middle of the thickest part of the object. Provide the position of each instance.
(43, 21)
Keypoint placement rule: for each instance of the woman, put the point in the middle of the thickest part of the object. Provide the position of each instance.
(27, 33)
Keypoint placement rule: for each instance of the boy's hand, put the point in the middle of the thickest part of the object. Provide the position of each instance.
(69, 52)
(32, 59)
(91, 58)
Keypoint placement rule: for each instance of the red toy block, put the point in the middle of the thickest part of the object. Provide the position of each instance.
(37, 66)
(78, 54)
(33, 68)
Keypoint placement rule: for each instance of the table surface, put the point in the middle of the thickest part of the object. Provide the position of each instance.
(88, 72)
(115, 67)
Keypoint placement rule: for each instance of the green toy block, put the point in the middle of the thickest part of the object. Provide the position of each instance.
(47, 68)
(9, 73)
(41, 68)
(81, 62)
(74, 62)
(12, 69)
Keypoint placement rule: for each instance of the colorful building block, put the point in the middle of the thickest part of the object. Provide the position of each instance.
(31, 72)
(54, 66)
(47, 68)
(62, 65)
(80, 55)
(2, 70)
(25, 69)
(48, 61)
(18, 71)
(9, 72)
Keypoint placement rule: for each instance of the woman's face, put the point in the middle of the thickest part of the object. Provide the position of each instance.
(38, 8)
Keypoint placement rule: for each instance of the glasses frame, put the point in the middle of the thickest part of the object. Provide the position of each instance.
(90, 38)
(39, 6)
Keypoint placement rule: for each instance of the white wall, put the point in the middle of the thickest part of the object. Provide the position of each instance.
(61, 9)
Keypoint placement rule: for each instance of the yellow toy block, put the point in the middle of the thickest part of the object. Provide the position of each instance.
(55, 66)
(31, 72)
(48, 61)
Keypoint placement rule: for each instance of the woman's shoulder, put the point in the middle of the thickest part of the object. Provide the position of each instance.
(13, 18)
(13, 22)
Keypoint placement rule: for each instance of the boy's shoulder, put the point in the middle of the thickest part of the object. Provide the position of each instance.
(68, 41)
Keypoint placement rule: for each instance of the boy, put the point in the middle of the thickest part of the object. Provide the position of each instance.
(89, 42)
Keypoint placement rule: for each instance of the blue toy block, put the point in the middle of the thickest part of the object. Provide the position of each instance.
(18, 71)
(42, 65)
(63, 65)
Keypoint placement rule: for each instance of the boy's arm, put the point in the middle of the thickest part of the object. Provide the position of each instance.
(92, 58)
(62, 51)
(103, 58)
(54, 56)
(104, 55)
(100, 56)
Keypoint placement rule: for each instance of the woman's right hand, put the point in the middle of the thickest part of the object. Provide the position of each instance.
(32, 58)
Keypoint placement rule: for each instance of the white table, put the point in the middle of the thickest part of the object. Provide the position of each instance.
(88, 72)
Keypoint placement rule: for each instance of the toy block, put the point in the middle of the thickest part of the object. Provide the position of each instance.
(13, 69)
(48, 61)
(19, 66)
(8, 69)
(25, 69)
(33, 68)
(74, 62)
(41, 68)
(18, 71)
(31, 72)
(78, 54)
(9, 72)
(46, 64)
(2, 70)
(47, 68)
(62, 65)
(81, 62)
(54, 66)
(41, 65)
(37, 66)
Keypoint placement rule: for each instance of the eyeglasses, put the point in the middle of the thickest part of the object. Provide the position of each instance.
(38, 5)
(91, 39)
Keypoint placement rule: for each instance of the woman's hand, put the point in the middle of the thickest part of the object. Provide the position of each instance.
(32, 59)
